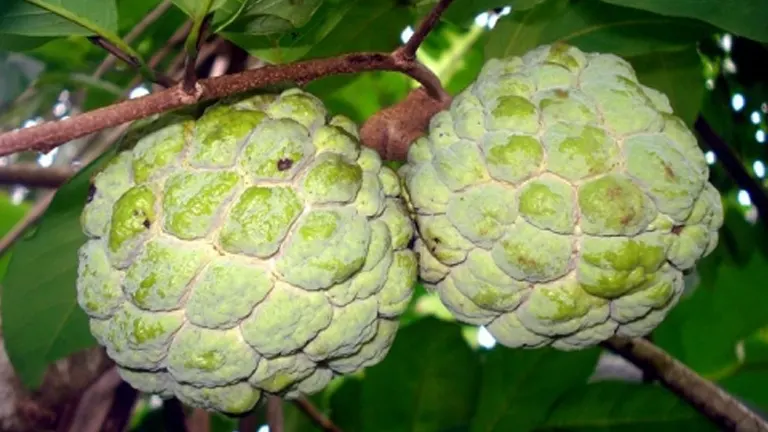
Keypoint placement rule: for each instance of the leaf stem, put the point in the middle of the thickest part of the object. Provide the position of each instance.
(33, 175)
(107, 35)
(192, 45)
(706, 397)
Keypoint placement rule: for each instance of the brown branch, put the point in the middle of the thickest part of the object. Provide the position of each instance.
(119, 414)
(315, 415)
(137, 30)
(33, 175)
(275, 418)
(734, 167)
(710, 400)
(408, 51)
(47, 136)
(248, 423)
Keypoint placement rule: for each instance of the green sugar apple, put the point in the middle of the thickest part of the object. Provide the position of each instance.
(558, 201)
(256, 249)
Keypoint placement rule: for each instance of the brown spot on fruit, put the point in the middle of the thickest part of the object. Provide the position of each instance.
(91, 193)
(677, 229)
(147, 223)
(284, 164)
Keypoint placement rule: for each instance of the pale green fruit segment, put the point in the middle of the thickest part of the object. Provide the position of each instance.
(159, 276)
(132, 216)
(286, 320)
(226, 292)
(259, 220)
(210, 357)
(259, 248)
(100, 294)
(193, 200)
(220, 133)
(558, 201)
(332, 179)
(155, 152)
(513, 158)
(106, 187)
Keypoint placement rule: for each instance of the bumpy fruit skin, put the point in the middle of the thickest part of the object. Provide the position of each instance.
(256, 249)
(559, 201)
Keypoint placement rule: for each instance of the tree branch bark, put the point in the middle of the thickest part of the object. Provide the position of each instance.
(47, 136)
(706, 397)
(32, 175)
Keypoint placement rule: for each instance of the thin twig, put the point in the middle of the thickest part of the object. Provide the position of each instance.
(33, 175)
(46, 136)
(710, 400)
(135, 63)
(136, 31)
(408, 51)
(734, 167)
(315, 415)
(275, 418)
(122, 408)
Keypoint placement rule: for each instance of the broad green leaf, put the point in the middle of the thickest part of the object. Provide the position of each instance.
(10, 215)
(592, 26)
(338, 26)
(704, 329)
(623, 406)
(454, 54)
(261, 17)
(198, 8)
(427, 382)
(22, 17)
(749, 384)
(345, 405)
(41, 319)
(746, 18)
(519, 386)
(17, 72)
(678, 75)
(10, 42)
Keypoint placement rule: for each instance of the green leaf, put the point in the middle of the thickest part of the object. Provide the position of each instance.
(17, 72)
(519, 386)
(10, 215)
(678, 74)
(703, 330)
(22, 17)
(625, 407)
(41, 319)
(746, 18)
(750, 384)
(338, 26)
(260, 17)
(362, 95)
(427, 382)
(345, 405)
(197, 8)
(592, 26)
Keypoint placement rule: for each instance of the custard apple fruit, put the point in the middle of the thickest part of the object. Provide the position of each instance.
(558, 201)
(258, 248)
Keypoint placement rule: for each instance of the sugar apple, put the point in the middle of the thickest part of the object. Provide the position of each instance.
(258, 248)
(558, 201)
